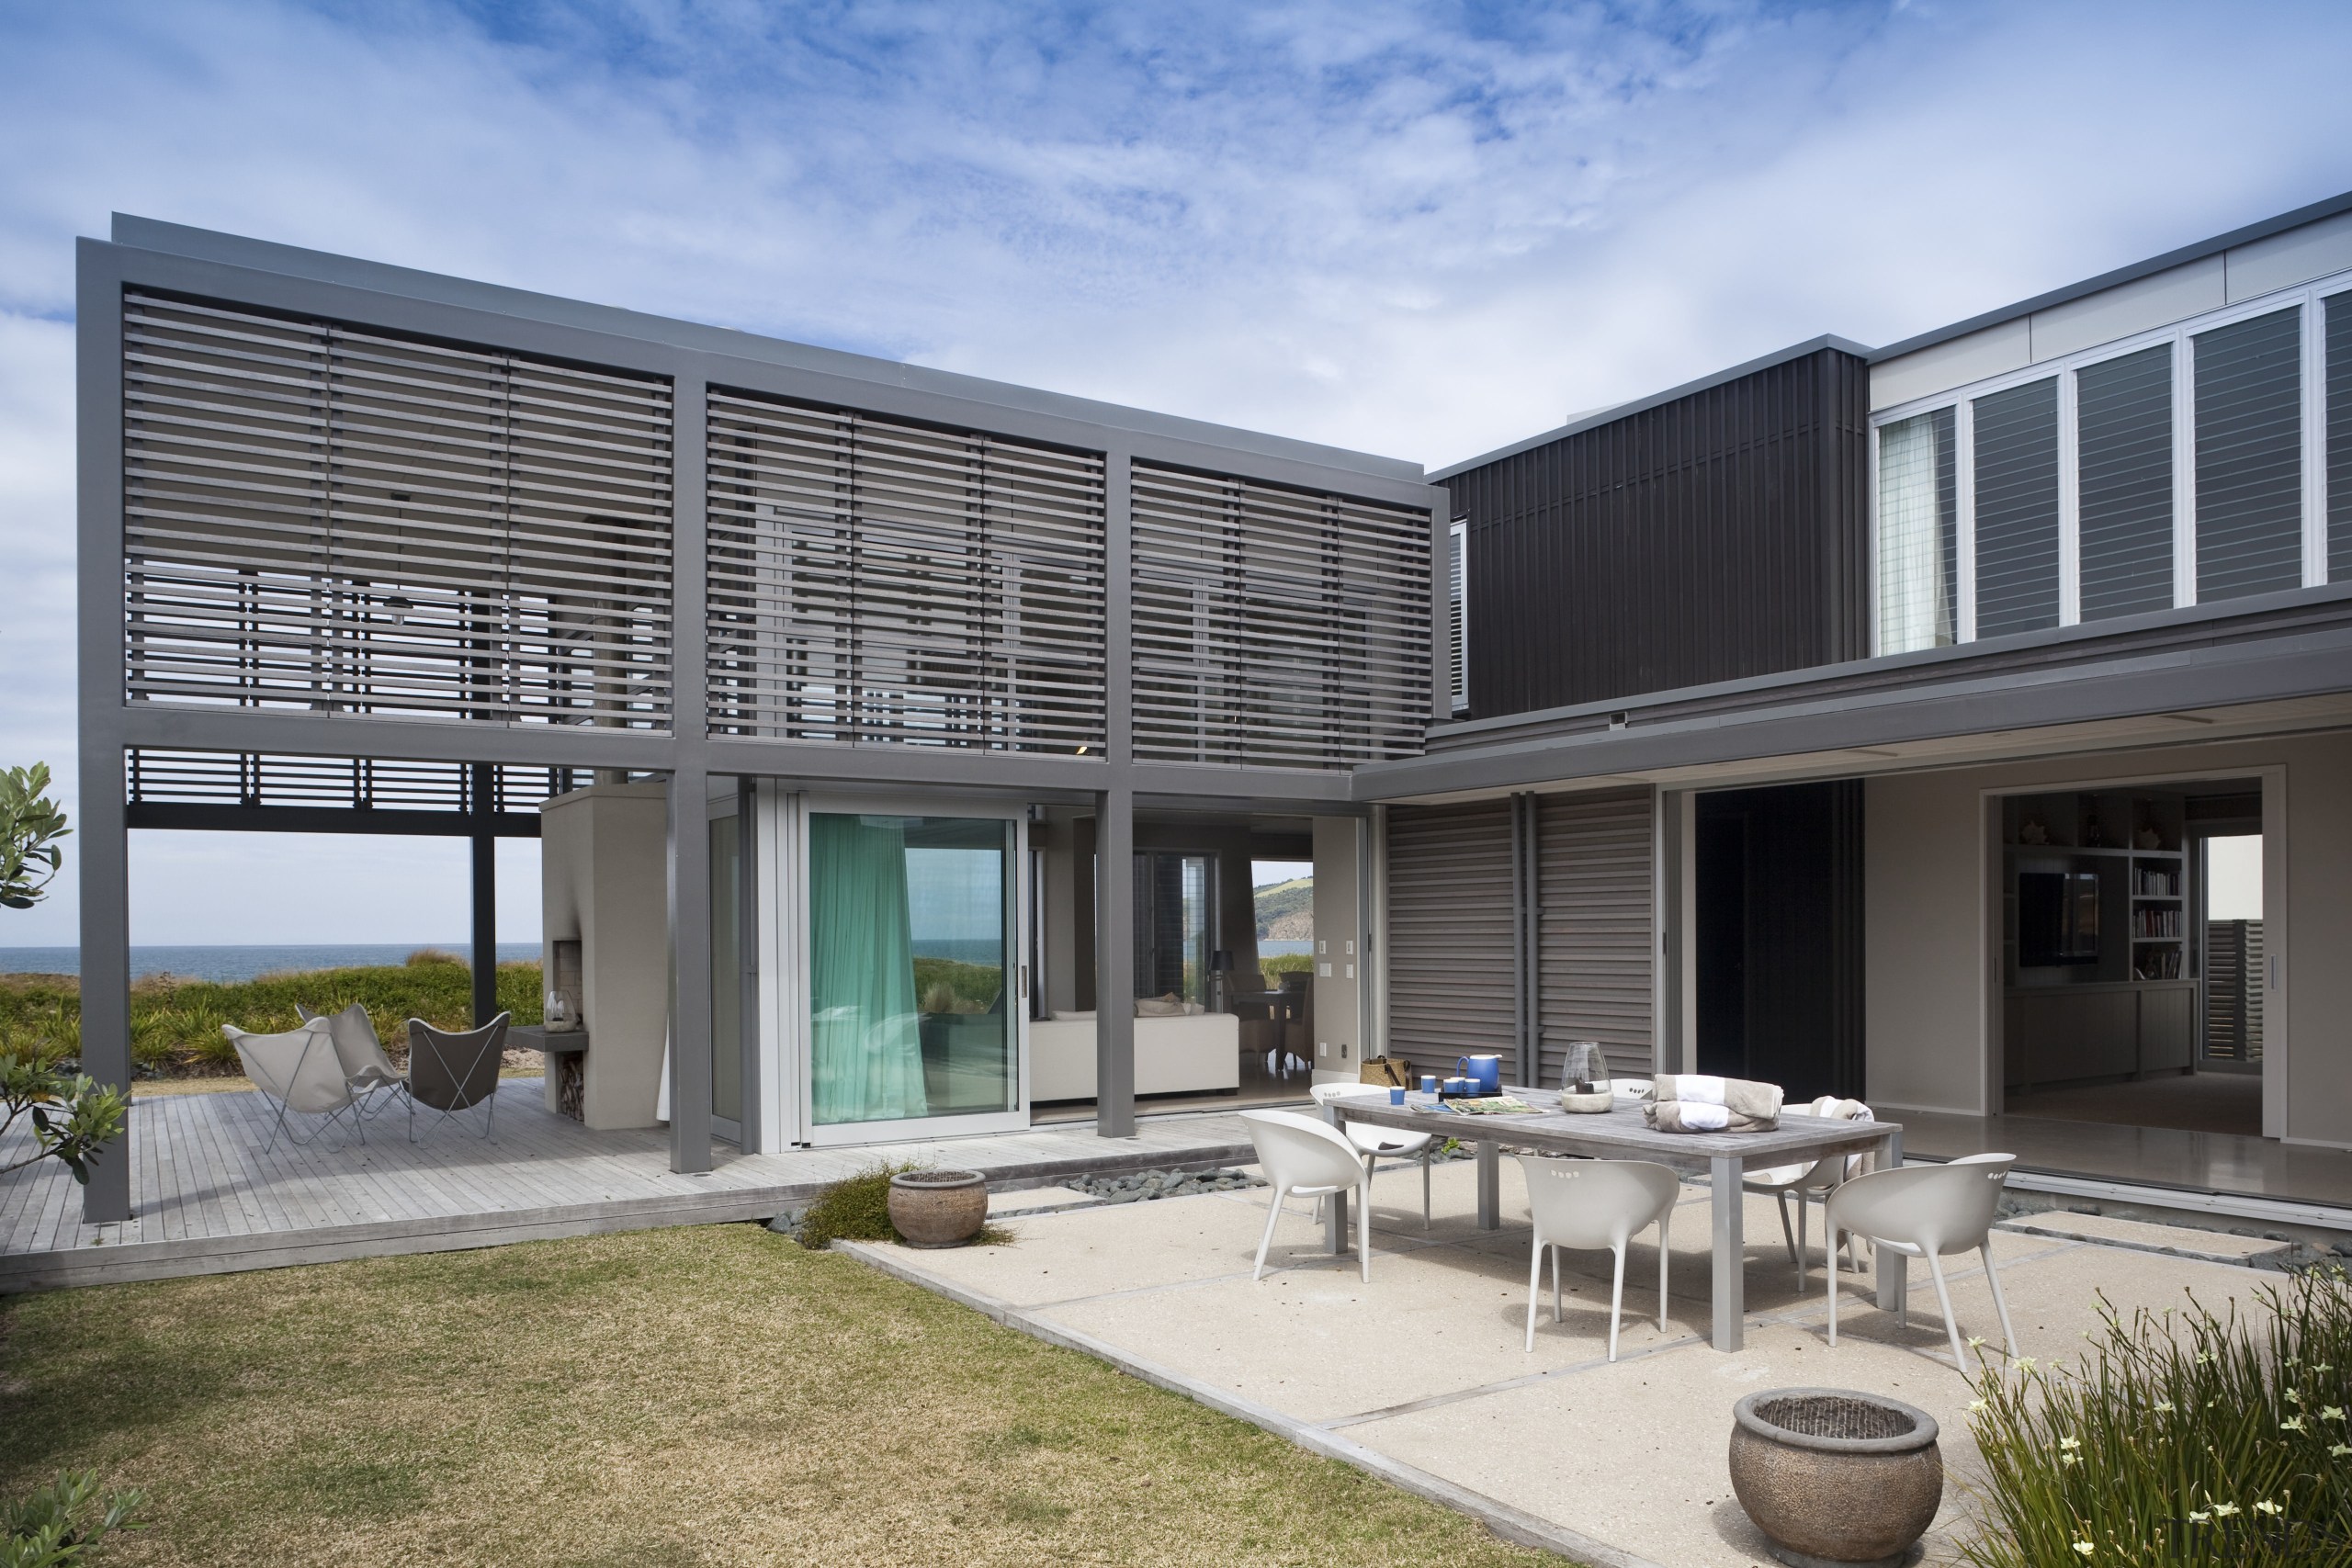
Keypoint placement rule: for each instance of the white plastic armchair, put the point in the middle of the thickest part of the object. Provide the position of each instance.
(1302, 1155)
(1377, 1142)
(301, 1072)
(1931, 1211)
(365, 1067)
(1817, 1178)
(1596, 1203)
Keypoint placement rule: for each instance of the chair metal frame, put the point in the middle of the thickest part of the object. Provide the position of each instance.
(319, 1040)
(489, 1039)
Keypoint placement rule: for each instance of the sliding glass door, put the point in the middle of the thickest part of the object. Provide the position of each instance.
(915, 991)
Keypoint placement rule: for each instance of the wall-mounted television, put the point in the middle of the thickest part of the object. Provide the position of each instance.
(2057, 917)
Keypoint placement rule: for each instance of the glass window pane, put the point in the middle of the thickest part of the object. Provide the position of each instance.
(2250, 456)
(2017, 510)
(2123, 421)
(909, 921)
(1918, 540)
(2339, 437)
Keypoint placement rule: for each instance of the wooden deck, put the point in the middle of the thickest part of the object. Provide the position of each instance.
(207, 1199)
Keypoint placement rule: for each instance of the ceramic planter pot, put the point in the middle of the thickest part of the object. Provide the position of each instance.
(1833, 1476)
(939, 1208)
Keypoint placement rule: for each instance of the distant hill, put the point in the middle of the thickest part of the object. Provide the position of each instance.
(1286, 910)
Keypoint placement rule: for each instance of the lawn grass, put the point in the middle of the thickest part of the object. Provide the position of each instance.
(680, 1397)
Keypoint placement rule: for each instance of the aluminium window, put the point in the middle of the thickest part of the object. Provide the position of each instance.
(2202, 461)
(1457, 609)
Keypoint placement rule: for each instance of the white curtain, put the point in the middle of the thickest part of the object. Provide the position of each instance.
(1915, 593)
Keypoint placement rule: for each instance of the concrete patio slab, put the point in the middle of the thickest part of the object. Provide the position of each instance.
(1421, 1376)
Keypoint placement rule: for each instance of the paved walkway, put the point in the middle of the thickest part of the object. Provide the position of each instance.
(1421, 1376)
(207, 1198)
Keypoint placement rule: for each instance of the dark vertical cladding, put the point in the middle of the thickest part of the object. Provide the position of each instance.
(1722, 535)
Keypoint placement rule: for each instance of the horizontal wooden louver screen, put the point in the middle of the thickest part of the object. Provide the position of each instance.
(1277, 628)
(874, 580)
(244, 778)
(1595, 939)
(320, 517)
(1450, 969)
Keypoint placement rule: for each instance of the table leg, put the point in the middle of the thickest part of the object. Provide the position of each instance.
(1730, 1251)
(1490, 1186)
(1889, 1264)
(1335, 1215)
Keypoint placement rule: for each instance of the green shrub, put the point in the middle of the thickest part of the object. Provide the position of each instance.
(1282, 964)
(175, 1024)
(857, 1208)
(55, 1528)
(2177, 1439)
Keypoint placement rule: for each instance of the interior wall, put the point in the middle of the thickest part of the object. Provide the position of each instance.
(1053, 838)
(604, 869)
(1339, 948)
(1930, 949)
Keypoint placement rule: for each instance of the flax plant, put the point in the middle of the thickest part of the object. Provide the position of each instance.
(2179, 1438)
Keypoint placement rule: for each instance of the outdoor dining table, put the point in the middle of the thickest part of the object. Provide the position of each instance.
(1621, 1134)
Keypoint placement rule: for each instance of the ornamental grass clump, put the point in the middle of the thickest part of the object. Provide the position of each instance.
(2181, 1438)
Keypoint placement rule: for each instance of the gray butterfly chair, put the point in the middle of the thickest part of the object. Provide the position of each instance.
(374, 1081)
(301, 1072)
(450, 1073)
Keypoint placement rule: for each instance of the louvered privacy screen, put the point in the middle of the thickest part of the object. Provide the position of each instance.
(2123, 421)
(359, 783)
(874, 580)
(2250, 456)
(1594, 944)
(320, 517)
(1453, 964)
(2017, 510)
(1277, 628)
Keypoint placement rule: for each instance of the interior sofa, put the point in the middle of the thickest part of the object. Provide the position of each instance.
(1192, 1054)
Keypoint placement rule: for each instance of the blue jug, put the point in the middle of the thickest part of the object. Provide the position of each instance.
(1486, 1072)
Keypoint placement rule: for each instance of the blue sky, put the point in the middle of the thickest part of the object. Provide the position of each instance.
(1423, 229)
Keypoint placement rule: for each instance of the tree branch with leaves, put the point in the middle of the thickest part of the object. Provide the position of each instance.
(30, 825)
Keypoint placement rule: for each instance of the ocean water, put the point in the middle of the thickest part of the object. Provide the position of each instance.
(233, 963)
(1269, 948)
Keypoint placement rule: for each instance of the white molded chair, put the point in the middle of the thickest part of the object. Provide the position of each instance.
(1818, 1178)
(1378, 1142)
(365, 1067)
(1931, 1211)
(299, 1070)
(1594, 1203)
(1303, 1154)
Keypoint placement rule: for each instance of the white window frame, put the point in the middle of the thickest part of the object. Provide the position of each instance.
(2180, 335)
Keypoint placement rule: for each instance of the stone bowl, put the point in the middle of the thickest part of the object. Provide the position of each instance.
(1599, 1102)
(938, 1208)
(1834, 1476)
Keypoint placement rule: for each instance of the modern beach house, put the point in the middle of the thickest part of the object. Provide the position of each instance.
(1964, 724)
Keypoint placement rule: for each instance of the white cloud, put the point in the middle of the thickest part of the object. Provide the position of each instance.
(1420, 230)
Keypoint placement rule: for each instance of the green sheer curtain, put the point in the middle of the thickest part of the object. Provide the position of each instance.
(865, 1037)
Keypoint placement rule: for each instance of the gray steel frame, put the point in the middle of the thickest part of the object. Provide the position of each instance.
(172, 259)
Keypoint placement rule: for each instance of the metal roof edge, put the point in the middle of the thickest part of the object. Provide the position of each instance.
(2313, 213)
(327, 266)
(1626, 409)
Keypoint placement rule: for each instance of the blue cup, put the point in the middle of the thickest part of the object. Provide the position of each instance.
(1397, 1094)
(1428, 1083)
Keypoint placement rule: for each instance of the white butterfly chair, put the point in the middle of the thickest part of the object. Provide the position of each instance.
(1303, 1154)
(299, 1070)
(365, 1067)
(1381, 1142)
(1817, 1178)
(1931, 1211)
(1595, 1203)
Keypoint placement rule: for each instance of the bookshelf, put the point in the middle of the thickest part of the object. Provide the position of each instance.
(2098, 971)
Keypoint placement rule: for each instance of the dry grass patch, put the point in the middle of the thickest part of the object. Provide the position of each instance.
(706, 1396)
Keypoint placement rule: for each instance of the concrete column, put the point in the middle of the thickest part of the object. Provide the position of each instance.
(1115, 963)
(101, 842)
(690, 1009)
